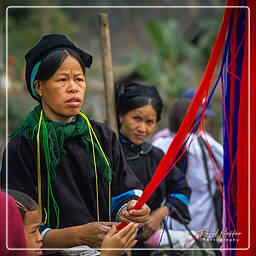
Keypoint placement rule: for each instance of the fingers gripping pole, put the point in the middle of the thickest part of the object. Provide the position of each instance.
(137, 206)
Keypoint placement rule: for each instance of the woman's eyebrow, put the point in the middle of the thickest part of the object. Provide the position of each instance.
(62, 73)
(67, 73)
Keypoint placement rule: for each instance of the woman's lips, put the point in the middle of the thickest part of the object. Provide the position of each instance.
(140, 137)
(73, 102)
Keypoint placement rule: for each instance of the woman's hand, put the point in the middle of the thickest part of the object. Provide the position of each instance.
(124, 238)
(93, 233)
(152, 225)
(138, 216)
(154, 222)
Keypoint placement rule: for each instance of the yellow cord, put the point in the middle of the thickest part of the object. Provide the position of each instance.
(109, 200)
(90, 128)
(96, 177)
(46, 216)
(91, 131)
(92, 134)
(39, 192)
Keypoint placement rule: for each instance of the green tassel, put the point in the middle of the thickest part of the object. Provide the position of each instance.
(53, 136)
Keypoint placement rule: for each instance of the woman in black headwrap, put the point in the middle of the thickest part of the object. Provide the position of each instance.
(71, 165)
(139, 109)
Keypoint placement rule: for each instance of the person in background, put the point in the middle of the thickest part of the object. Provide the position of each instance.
(139, 109)
(199, 170)
(16, 236)
(29, 211)
(188, 94)
(72, 166)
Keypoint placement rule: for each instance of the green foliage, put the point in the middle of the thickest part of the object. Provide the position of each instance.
(161, 34)
(162, 68)
(178, 60)
(202, 38)
(26, 26)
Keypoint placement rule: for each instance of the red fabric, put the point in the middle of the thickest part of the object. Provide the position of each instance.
(16, 238)
(247, 165)
(242, 155)
(232, 70)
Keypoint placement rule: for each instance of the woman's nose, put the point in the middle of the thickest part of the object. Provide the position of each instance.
(39, 238)
(142, 127)
(73, 87)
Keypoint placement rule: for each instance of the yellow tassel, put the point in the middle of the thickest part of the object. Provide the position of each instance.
(91, 131)
(39, 192)
(109, 200)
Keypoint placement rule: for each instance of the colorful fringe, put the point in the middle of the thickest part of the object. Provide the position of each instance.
(238, 84)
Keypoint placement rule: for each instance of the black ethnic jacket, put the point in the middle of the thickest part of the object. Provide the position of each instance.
(143, 160)
(74, 183)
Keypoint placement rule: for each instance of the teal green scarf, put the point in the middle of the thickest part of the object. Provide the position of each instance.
(53, 136)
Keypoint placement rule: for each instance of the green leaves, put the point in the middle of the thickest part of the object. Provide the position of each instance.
(179, 56)
(161, 68)
(27, 25)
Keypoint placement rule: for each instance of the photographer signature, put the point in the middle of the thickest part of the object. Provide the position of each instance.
(222, 233)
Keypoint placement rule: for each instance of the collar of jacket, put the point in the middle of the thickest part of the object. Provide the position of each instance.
(134, 151)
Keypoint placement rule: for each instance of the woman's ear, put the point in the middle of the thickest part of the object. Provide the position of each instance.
(120, 119)
(38, 87)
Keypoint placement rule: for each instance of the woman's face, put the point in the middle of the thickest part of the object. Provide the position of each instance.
(138, 123)
(62, 95)
(33, 237)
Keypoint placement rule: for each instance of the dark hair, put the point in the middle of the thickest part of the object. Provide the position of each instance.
(177, 111)
(53, 61)
(142, 101)
(135, 95)
(23, 201)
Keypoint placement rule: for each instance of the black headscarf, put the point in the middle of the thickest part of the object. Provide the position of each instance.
(127, 94)
(46, 45)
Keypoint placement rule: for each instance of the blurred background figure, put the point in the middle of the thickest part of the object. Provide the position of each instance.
(139, 109)
(199, 170)
(190, 93)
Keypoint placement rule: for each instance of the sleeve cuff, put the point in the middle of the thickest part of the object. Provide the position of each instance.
(184, 199)
(117, 215)
(119, 201)
(44, 230)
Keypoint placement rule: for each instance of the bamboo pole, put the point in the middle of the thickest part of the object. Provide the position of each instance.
(108, 76)
(106, 56)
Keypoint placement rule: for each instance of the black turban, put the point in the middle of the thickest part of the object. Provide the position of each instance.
(127, 93)
(46, 45)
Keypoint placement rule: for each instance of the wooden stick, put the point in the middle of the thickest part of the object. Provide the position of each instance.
(108, 73)
(108, 76)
